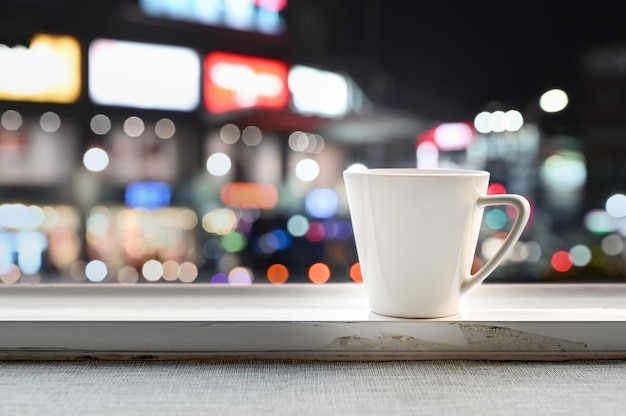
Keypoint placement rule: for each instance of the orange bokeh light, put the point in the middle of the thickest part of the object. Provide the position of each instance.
(277, 274)
(355, 273)
(319, 273)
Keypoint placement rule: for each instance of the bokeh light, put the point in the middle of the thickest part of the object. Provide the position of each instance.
(128, 275)
(564, 170)
(513, 120)
(220, 221)
(277, 273)
(187, 272)
(496, 219)
(498, 121)
(234, 242)
(297, 225)
(11, 120)
(491, 245)
(96, 159)
(496, 189)
(316, 232)
(170, 270)
(9, 273)
(20, 216)
(612, 244)
(100, 124)
(274, 240)
(453, 136)
(134, 126)
(599, 221)
(240, 276)
(307, 170)
(218, 164)
(165, 128)
(482, 122)
(251, 135)
(616, 205)
(427, 155)
(96, 271)
(219, 279)
(50, 122)
(230, 134)
(356, 167)
(580, 254)
(152, 270)
(319, 273)
(322, 203)
(561, 261)
(298, 141)
(335, 229)
(355, 273)
(553, 101)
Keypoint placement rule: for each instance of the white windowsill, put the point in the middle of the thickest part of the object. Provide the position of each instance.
(497, 321)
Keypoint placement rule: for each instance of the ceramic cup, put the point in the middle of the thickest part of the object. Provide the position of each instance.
(416, 232)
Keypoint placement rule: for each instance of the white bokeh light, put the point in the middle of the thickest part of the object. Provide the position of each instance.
(96, 159)
(152, 270)
(427, 156)
(482, 122)
(307, 170)
(357, 167)
(616, 205)
(218, 164)
(581, 255)
(96, 270)
(513, 120)
(553, 101)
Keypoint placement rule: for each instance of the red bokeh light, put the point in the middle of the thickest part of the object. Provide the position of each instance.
(496, 189)
(561, 261)
(316, 232)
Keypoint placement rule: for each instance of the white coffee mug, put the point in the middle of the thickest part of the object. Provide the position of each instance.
(416, 232)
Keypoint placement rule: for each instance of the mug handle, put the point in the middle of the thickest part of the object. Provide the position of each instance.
(523, 214)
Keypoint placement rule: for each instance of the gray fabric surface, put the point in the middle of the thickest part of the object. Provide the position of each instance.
(311, 388)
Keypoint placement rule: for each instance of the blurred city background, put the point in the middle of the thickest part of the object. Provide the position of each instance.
(203, 141)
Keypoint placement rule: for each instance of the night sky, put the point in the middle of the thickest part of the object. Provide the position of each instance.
(447, 59)
(441, 59)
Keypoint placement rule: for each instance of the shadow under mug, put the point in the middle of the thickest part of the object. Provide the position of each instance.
(416, 232)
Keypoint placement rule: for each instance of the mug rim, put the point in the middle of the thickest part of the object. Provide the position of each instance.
(416, 172)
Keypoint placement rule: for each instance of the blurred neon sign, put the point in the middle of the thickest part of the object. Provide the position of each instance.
(319, 92)
(142, 75)
(236, 82)
(449, 136)
(148, 195)
(250, 195)
(48, 70)
(26, 247)
(249, 15)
